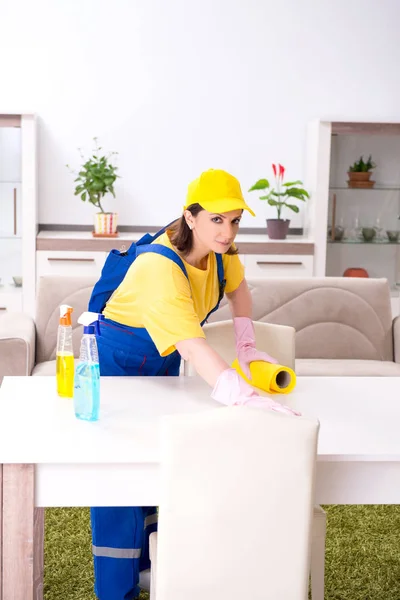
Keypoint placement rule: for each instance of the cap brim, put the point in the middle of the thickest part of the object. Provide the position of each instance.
(225, 205)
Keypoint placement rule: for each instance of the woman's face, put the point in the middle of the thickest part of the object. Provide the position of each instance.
(214, 232)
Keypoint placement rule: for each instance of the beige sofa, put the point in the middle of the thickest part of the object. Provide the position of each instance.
(343, 325)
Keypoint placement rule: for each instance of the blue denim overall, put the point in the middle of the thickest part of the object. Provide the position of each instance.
(121, 535)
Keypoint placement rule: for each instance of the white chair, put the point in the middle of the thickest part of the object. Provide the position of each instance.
(228, 526)
(278, 341)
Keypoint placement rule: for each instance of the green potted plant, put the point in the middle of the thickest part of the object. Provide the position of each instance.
(281, 197)
(360, 173)
(94, 180)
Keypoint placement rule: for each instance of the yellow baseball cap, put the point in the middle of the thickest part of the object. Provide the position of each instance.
(217, 192)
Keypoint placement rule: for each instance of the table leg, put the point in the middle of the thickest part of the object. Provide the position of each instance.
(1, 532)
(38, 553)
(17, 564)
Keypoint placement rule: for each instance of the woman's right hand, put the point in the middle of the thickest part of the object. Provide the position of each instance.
(232, 390)
(229, 388)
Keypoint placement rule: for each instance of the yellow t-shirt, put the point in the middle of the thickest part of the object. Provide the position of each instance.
(156, 295)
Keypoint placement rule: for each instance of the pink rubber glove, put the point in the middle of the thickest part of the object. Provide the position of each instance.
(232, 390)
(246, 351)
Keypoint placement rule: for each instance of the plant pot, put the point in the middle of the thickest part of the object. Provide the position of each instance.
(360, 179)
(277, 229)
(105, 224)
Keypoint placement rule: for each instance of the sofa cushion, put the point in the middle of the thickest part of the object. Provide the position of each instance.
(54, 291)
(346, 368)
(334, 317)
(45, 368)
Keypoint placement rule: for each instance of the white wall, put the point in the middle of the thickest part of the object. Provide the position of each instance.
(178, 86)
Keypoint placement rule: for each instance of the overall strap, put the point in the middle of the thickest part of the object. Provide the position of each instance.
(221, 284)
(148, 238)
(221, 279)
(163, 230)
(164, 251)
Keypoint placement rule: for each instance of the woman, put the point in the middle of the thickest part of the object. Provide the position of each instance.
(153, 320)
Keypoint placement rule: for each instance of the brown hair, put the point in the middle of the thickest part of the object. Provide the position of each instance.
(181, 235)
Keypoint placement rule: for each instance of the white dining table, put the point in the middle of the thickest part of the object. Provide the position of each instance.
(48, 458)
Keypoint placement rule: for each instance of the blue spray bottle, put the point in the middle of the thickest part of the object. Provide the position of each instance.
(87, 373)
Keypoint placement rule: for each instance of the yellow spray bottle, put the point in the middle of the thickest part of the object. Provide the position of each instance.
(65, 354)
(271, 378)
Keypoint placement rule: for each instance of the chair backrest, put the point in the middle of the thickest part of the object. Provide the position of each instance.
(236, 505)
(334, 317)
(54, 291)
(276, 340)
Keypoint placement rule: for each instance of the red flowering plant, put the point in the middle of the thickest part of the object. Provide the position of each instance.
(283, 193)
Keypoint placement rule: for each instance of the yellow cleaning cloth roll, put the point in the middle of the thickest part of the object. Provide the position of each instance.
(273, 379)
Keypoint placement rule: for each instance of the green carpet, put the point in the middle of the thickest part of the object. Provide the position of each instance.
(362, 555)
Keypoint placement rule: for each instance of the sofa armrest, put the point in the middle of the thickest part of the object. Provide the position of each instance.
(396, 339)
(17, 344)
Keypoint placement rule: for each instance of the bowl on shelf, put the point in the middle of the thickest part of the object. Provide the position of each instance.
(338, 234)
(368, 234)
(393, 235)
(355, 272)
(17, 281)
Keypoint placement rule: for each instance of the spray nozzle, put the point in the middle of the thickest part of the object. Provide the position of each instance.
(65, 314)
(90, 322)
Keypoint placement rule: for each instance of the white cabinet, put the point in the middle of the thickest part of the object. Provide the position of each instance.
(10, 260)
(69, 263)
(89, 263)
(10, 150)
(18, 210)
(281, 265)
(10, 209)
(10, 180)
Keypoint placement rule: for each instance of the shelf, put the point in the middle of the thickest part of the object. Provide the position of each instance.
(377, 188)
(11, 181)
(10, 237)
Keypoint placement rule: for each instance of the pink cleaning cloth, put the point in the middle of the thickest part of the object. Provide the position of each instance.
(232, 390)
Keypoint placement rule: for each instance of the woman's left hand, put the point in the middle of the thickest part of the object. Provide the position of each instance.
(247, 355)
(246, 350)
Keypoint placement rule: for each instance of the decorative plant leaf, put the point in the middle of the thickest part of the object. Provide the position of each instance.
(298, 193)
(362, 167)
(292, 207)
(261, 184)
(289, 183)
